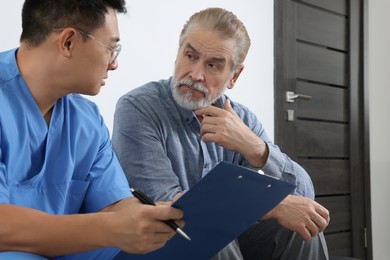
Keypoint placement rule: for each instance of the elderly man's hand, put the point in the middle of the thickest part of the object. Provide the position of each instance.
(300, 214)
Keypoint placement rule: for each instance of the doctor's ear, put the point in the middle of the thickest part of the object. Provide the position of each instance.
(66, 41)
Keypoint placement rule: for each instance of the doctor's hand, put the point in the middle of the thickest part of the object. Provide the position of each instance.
(300, 214)
(225, 127)
(138, 228)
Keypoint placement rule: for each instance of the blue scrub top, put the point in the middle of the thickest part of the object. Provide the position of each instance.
(66, 168)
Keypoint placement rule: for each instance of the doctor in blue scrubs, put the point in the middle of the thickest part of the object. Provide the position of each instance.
(63, 193)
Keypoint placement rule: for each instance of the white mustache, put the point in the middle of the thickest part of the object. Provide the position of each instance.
(194, 85)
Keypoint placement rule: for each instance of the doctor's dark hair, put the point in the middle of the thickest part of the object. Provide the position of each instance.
(226, 24)
(40, 17)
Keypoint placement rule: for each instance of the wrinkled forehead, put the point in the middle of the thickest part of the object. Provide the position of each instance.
(209, 43)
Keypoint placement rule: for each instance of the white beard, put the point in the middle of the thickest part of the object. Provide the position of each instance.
(185, 101)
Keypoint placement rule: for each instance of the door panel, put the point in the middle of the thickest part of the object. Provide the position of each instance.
(321, 65)
(338, 6)
(330, 177)
(327, 103)
(341, 206)
(326, 29)
(320, 139)
(317, 54)
(340, 243)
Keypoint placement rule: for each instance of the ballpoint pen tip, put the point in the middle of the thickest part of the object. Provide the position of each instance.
(181, 232)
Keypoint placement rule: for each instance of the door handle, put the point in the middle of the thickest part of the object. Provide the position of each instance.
(291, 96)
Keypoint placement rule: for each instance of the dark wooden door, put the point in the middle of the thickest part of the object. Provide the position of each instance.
(318, 110)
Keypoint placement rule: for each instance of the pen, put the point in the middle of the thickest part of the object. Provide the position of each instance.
(146, 200)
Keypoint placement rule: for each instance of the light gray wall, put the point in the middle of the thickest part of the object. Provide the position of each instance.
(149, 35)
(378, 41)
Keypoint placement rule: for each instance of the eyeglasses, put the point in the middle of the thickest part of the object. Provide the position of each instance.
(114, 51)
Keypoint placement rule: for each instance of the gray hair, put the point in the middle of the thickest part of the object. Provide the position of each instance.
(226, 24)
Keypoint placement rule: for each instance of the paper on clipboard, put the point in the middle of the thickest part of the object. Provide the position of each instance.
(226, 202)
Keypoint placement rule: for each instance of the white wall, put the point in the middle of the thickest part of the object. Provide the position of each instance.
(150, 36)
(379, 93)
(150, 33)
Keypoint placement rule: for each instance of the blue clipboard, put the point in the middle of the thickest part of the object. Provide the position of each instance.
(226, 202)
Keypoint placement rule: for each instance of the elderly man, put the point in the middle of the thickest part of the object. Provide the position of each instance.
(169, 134)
